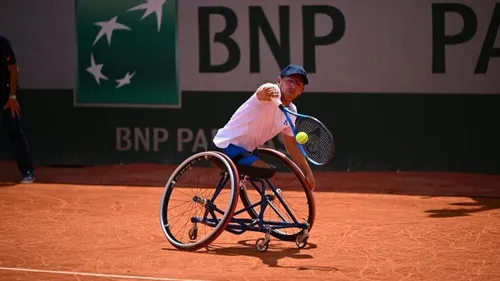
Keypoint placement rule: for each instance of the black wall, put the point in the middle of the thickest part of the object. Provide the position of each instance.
(372, 131)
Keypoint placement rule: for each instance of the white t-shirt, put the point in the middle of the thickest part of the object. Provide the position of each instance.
(253, 124)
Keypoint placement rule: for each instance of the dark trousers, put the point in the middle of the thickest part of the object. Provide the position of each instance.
(12, 129)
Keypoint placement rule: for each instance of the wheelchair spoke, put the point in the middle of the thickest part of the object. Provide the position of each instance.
(198, 203)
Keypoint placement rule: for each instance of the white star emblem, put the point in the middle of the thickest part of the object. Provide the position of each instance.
(150, 7)
(107, 27)
(95, 70)
(125, 80)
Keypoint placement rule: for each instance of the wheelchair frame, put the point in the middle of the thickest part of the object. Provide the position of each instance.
(228, 221)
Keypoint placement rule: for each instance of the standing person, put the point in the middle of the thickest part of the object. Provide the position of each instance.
(11, 122)
(258, 120)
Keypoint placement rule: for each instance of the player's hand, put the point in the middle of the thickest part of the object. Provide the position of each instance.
(311, 181)
(268, 91)
(14, 107)
(271, 92)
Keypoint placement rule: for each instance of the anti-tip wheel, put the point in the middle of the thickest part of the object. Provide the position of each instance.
(193, 234)
(261, 244)
(301, 241)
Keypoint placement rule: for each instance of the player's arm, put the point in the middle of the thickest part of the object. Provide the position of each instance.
(14, 74)
(266, 91)
(299, 159)
(9, 57)
(7, 54)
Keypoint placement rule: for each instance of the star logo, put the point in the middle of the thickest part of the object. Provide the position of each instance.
(95, 70)
(125, 80)
(151, 6)
(127, 54)
(111, 25)
(107, 28)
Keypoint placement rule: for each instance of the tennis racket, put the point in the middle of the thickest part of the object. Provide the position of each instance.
(320, 145)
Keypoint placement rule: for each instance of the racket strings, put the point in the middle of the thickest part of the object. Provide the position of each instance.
(319, 146)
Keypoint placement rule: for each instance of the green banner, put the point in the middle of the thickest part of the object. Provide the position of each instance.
(127, 54)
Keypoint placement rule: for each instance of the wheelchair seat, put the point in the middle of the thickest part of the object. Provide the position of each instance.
(256, 172)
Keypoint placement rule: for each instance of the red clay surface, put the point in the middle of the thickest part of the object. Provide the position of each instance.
(97, 223)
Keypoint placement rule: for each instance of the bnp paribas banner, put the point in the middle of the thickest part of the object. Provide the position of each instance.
(127, 53)
(144, 53)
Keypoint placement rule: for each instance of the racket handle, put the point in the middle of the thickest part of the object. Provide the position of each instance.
(276, 101)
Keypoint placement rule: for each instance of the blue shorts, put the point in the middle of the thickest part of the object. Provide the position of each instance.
(239, 155)
(244, 159)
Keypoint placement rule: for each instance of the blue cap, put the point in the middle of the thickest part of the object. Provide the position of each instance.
(295, 69)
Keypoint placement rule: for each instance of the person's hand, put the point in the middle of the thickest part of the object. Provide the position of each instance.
(14, 107)
(311, 181)
(270, 91)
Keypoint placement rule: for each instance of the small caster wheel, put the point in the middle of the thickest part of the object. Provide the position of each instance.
(261, 244)
(301, 241)
(193, 234)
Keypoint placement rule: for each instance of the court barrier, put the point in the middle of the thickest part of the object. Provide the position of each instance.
(373, 132)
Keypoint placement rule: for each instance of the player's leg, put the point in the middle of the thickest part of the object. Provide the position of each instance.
(15, 134)
(248, 163)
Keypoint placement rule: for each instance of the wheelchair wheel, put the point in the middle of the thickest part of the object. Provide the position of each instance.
(290, 185)
(199, 200)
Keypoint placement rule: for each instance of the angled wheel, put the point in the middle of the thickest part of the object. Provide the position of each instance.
(199, 200)
(301, 239)
(290, 198)
(261, 245)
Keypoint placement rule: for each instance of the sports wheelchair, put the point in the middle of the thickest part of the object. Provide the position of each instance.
(200, 199)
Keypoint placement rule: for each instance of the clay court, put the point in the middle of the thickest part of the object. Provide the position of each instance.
(102, 223)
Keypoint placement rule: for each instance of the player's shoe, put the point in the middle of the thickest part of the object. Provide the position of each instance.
(29, 177)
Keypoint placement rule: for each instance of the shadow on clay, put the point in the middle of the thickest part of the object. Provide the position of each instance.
(271, 257)
(461, 209)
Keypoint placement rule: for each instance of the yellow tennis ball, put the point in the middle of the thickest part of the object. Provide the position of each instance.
(301, 137)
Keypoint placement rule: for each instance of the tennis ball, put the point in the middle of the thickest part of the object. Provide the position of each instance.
(301, 137)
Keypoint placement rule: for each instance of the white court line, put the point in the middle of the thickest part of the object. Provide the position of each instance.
(94, 274)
